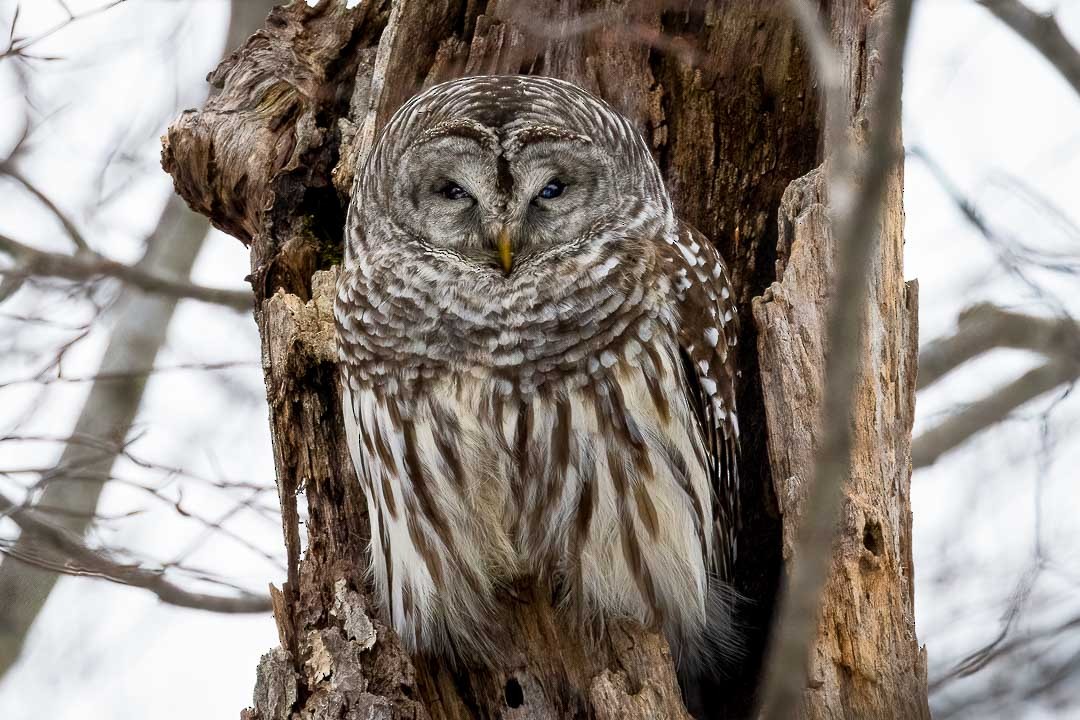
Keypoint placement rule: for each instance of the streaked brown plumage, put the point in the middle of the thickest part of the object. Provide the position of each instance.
(537, 369)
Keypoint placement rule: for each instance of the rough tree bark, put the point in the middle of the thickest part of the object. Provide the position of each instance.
(725, 95)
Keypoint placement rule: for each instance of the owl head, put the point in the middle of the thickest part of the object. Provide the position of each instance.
(498, 177)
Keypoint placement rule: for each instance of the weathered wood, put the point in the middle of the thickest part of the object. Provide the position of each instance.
(866, 660)
(724, 94)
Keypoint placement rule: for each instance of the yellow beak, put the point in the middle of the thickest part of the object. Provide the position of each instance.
(506, 257)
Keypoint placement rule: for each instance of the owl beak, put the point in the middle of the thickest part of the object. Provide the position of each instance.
(506, 256)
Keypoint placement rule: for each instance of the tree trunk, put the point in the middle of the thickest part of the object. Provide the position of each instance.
(724, 94)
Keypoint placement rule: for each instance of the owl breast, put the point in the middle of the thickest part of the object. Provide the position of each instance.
(598, 488)
(535, 384)
(593, 479)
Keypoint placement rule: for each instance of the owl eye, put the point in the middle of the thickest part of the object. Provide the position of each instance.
(552, 190)
(453, 191)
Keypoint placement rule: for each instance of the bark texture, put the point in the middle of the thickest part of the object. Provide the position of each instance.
(724, 94)
(866, 661)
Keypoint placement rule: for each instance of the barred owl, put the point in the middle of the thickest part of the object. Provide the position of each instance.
(537, 370)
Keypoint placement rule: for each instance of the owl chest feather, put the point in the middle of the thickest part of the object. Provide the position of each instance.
(596, 483)
(534, 384)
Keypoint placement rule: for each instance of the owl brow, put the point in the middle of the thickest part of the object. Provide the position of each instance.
(463, 128)
(537, 133)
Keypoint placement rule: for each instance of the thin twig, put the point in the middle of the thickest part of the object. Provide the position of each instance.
(1028, 653)
(827, 64)
(89, 265)
(64, 552)
(981, 658)
(619, 24)
(127, 375)
(18, 46)
(69, 226)
(1043, 33)
(1013, 256)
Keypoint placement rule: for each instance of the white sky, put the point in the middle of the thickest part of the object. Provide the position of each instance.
(990, 112)
(985, 107)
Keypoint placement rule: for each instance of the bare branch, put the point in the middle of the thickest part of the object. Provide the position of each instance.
(1027, 651)
(827, 65)
(991, 410)
(1013, 255)
(17, 46)
(618, 24)
(985, 327)
(126, 375)
(857, 236)
(1043, 33)
(111, 406)
(90, 265)
(981, 329)
(69, 227)
(981, 658)
(62, 551)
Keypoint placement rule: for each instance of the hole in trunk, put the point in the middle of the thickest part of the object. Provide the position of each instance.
(515, 696)
(871, 538)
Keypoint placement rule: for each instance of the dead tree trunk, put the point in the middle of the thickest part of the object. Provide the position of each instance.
(725, 94)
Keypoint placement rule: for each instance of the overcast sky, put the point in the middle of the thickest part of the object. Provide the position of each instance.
(977, 101)
(1005, 127)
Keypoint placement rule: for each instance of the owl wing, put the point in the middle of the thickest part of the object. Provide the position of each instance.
(708, 328)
